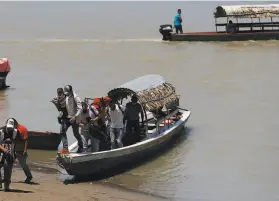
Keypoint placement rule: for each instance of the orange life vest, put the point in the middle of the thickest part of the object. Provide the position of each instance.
(97, 101)
(23, 131)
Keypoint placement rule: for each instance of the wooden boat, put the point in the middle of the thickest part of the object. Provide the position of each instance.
(4, 71)
(259, 30)
(153, 93)
(43, 140)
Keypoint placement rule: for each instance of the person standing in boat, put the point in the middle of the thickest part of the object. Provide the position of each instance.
(60, 102)
(231, 27)
(101, 120)
(178, 22)
(131, 118)
(74, 108)
(116, 116)
(88, 114)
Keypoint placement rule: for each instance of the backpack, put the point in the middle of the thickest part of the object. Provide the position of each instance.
(7, 158)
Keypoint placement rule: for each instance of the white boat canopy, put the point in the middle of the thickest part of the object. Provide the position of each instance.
(152, 91)
(247, 11)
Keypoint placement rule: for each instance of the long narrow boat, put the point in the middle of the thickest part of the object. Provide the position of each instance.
(153, 93)
(259, 30)
(43, 140)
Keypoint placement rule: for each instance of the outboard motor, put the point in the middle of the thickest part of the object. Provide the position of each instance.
(166, 30)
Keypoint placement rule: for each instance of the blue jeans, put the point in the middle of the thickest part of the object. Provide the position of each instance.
(116, 136)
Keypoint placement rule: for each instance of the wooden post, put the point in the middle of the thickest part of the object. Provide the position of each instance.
(227, 24)
(237, 27)
(216, 25)
(271, 22)
(144, 121)
(262, 28)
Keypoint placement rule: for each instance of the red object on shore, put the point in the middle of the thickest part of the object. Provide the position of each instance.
(4, 65)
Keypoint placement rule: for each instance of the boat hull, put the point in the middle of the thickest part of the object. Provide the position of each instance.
(43, 140)
(224, 37)
(104, 164)
(3, 76)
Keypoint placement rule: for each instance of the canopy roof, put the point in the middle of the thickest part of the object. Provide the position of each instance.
(248, 11)
(152, 91)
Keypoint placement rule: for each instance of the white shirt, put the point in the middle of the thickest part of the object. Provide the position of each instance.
(73, 105)
(116, 117)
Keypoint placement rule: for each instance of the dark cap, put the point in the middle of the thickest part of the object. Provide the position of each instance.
(134, 97)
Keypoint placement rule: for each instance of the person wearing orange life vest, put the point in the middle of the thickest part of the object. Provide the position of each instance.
(21, 141)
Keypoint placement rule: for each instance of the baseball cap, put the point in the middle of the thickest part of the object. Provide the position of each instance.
(10, 123)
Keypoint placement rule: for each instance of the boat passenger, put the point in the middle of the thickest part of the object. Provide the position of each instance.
(159, 113)
(8, 133)
(101, 119)
(116, 116)
(73, 105)
(60, 102)
(231, 27)
(88, 114)
(103, 114)
(131, 118)
(178, 22)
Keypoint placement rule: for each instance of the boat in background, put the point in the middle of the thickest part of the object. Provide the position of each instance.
(259, 30)
(4, 71)
(153, 93)
(43, 140)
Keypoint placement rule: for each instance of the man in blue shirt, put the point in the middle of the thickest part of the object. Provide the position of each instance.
(177, 22)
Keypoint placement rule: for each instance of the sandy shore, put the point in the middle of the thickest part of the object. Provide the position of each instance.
(48, 186)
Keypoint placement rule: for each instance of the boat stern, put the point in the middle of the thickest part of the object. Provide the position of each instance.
(166, 31)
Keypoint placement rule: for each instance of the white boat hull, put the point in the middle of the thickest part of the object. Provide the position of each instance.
(91, 163)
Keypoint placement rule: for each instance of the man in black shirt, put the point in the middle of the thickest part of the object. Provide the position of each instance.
(131, 115)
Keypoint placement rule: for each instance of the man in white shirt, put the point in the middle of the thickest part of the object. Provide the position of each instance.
(73, 106)
(116, 114)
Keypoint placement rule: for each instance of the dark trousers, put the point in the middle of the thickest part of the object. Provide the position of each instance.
(100, 132)
(178, 28)
(65, 124)
(8, 169)
(22, 159)
(133, 137)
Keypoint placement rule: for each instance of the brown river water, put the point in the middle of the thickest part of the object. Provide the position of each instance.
(231, 150)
